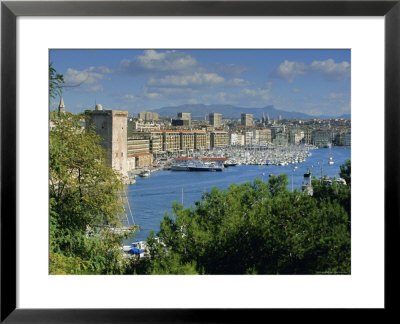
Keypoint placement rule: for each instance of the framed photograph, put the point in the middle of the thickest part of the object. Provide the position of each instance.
(173, 87)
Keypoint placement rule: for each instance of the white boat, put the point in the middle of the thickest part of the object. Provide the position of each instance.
(145, 173)
(330, 162)
(230, 162)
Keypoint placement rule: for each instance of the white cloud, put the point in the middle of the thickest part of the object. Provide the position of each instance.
(169, 93)
(129, 97)
(154, 61)
(90, 75)
(346, 108)
(226, 69)
(289, 70)
(313, 112)
(196, 79)
(331, 70)
(94, 88)
(257, 92)
(193, 101)
(217, 98)
(334, 95)
(238, 82)
(87, 79)
(152, 95)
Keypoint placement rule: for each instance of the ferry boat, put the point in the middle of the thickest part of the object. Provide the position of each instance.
(210, 167)
(179, 167)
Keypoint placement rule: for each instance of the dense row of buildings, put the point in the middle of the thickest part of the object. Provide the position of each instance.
(132, 142)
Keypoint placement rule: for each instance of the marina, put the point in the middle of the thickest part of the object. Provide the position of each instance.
(238, 155)
(152, 196)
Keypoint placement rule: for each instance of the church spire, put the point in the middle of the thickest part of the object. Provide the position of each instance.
(61, 106)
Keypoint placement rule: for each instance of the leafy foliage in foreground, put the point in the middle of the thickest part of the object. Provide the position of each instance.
(56, 83)
(257, 228)
(84, 202)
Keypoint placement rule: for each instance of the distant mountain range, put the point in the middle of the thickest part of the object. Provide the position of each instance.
(200, 111)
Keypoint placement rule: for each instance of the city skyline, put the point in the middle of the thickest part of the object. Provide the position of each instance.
(315, 82)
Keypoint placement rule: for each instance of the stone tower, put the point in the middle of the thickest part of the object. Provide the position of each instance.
(61, 106)
(112, 126)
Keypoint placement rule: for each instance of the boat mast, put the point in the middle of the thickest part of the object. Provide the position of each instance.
(182, 196)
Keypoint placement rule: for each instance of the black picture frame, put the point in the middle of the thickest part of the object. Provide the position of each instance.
(10, 10)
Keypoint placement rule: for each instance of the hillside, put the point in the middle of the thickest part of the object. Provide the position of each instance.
(200, 111)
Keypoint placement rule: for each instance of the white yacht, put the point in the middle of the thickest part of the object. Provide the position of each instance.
(145, 173)
(330, 162)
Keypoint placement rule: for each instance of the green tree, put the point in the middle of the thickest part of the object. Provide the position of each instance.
(85, 206)
(345, 171)
(56, 83)
(259, 228)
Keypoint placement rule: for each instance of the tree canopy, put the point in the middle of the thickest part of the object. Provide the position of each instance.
(85, 205)
(257, 228)
(345, 172)
(56, 82)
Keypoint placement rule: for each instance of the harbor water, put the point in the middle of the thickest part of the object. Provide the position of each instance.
(151, 197)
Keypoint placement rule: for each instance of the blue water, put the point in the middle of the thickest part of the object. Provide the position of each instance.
(151, 197)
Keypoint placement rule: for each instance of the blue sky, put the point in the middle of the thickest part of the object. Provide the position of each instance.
(316, 82)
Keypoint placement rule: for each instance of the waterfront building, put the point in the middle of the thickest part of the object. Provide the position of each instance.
(262, 136)
(138, 146)
(321, 138)
(155, 144)
(215, 119)
(142, 115)
(181, 123)
(295, 136)
(201, 140)
(307, 135)
(142, 160)
(275, 129)
(248, 137)
(184, 119)
(184, 115)
(111, 126)
(347, 139)
(263, 120)
(186, 141)
(171, 141)
(145, 126)
(280, 139)
(154, 138)
(206, 127)
(219, 139)
(130, 161)
(246, 119)
(147, 116)
(236, 139)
